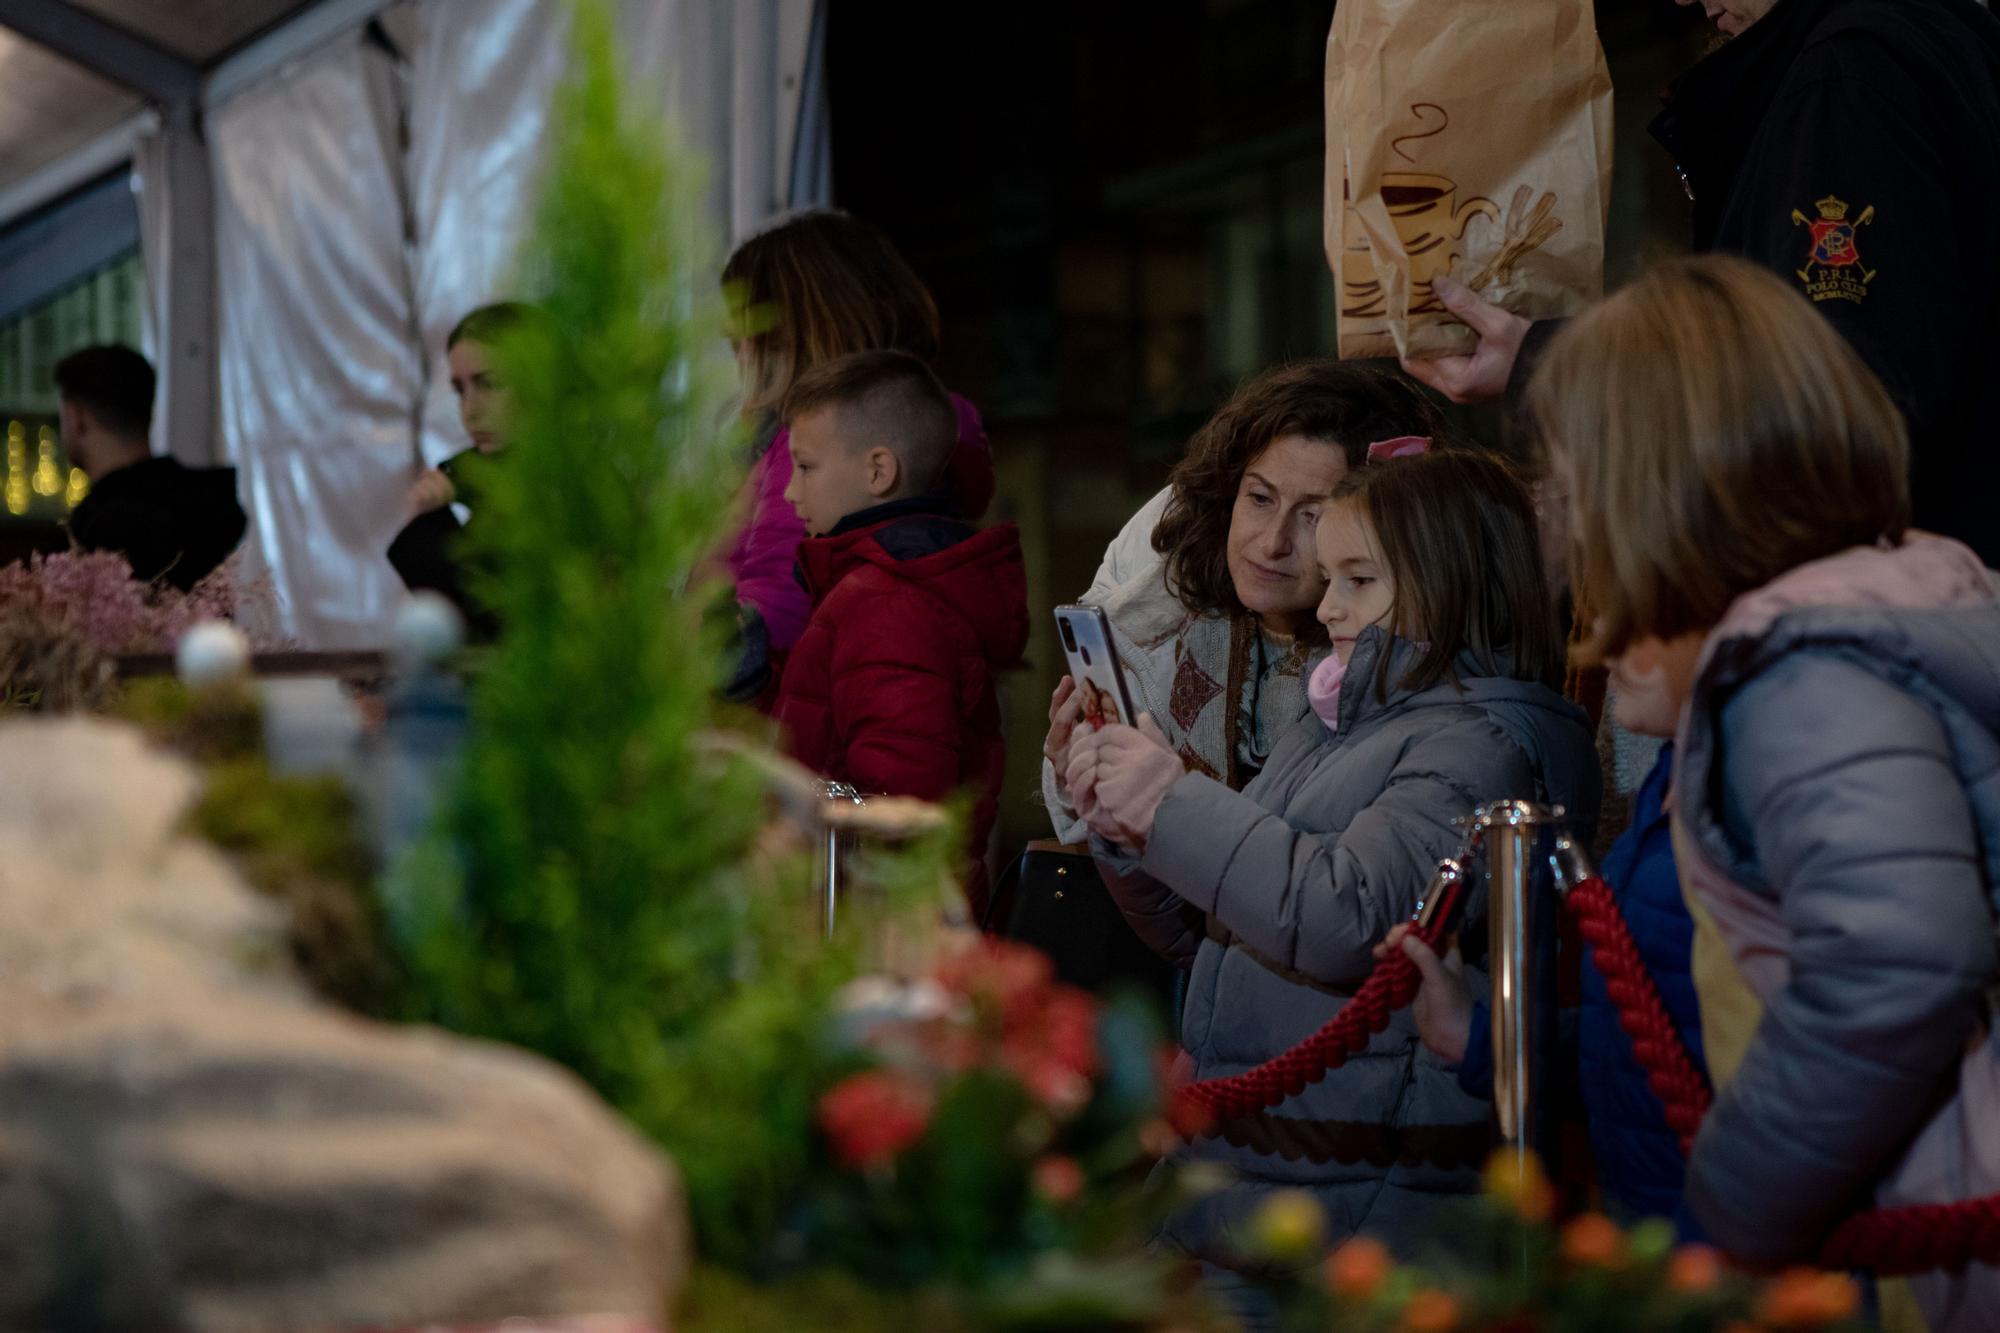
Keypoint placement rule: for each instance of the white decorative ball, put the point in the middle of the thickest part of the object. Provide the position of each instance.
(212, 653)
(428, 629)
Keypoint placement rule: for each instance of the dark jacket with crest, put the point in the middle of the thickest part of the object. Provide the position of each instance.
(1853, 148)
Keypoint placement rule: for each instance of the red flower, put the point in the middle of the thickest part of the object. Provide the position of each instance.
(1052, 1048)
(872, 1117)
(1010, 977)
(1057, 1179)
(1069, 1029)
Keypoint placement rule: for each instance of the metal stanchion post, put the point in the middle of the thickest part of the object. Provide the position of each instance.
(833, 848)
(1508, 832)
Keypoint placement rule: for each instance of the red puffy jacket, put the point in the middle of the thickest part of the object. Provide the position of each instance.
(761, 557)
(893, 687)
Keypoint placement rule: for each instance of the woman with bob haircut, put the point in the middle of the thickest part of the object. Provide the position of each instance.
(1742, 508)
(1213, 618)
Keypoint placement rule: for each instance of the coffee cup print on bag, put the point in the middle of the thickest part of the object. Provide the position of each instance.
(1431, 227)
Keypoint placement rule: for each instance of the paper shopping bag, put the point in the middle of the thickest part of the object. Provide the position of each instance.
(1469, 138)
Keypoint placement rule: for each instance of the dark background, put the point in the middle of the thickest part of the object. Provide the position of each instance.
(1117, 206)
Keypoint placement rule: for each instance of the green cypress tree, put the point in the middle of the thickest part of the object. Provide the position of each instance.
(590, 892)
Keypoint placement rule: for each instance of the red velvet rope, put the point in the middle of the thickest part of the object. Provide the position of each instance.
(1890, 1242)
(1655, 1041)
(1388, 988)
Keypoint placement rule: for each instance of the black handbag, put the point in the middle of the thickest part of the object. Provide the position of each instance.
(1052, 897)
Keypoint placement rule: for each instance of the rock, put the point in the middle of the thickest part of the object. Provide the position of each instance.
(189, 1141)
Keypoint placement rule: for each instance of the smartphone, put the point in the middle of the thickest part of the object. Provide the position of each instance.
(1093, 665)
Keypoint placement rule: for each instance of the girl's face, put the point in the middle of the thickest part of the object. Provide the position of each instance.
(1650, 682)
(482, 398)
(1360, 590)
(1271, 528)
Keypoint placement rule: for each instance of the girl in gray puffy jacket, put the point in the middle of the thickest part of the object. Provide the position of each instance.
(1439, 697)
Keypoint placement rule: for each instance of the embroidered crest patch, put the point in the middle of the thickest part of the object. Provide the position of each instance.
(1834, 271)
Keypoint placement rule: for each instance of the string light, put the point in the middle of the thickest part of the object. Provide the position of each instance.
(48, 477)
(79, 486)
(17, 468)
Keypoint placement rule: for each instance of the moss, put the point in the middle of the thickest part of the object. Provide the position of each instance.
(298, 840)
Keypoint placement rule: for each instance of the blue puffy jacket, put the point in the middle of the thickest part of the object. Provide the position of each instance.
(1639, 1162)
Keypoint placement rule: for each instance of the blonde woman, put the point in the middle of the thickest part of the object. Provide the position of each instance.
(1742, 506)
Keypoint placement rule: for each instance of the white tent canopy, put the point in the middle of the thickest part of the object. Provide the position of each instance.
(323, 188)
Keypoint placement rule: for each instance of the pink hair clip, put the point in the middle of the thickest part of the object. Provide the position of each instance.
(1403, 446)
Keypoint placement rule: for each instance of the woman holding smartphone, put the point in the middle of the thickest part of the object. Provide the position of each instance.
(1216, 636)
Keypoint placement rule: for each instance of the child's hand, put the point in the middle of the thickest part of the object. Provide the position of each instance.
(1443, 1007)
(1064, 708)
(1133, 768)
(1079, 775)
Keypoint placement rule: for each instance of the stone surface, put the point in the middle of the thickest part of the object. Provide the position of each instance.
(189, 1141)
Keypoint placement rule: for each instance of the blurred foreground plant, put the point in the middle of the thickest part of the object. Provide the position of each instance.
(596, 887)
(1502, 1264)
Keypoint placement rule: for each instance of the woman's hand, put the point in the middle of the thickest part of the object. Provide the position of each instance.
(1443, 1007)
(1128, 772)
(1064, 708)
(431, 490)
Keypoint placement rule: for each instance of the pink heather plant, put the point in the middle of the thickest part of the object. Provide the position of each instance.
(92, 597)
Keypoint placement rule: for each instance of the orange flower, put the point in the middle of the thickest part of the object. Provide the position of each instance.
(1158, 1138)
(1807, 1298)
(1694, 1268)
(1356, 1270)
(1430, 1312)
(870, 1118)
(1517, 1182)
(1594, 1241)
(1056, 1178)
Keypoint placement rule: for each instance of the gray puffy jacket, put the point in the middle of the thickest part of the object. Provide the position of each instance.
(1277, 895)
(1842, 769)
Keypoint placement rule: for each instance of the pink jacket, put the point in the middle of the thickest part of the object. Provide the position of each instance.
(765, 553)
(1836, 811)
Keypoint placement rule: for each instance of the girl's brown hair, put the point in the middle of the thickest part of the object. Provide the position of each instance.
(1457, 531)
(1343, 405)
(817, 286)
(1715, 432)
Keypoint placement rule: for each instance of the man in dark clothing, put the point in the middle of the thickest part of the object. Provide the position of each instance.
(1852, 147)
(169, 522)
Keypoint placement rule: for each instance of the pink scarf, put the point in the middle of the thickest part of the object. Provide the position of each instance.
(1323, 691)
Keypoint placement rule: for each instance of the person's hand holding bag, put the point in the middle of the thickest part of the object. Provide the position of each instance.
(1128, 772)
(1481, 375)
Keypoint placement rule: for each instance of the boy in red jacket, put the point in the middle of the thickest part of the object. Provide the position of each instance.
(893, 685)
